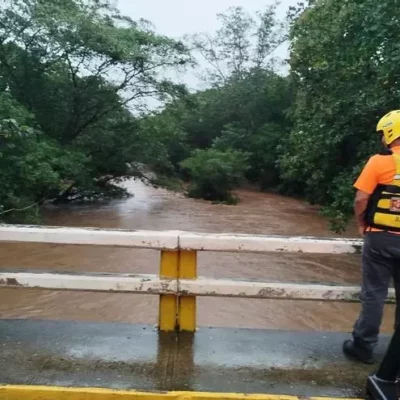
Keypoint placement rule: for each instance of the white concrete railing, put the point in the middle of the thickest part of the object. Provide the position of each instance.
(174, 240)
(177, 240)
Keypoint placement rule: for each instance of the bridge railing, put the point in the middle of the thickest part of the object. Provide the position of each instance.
(177, 283)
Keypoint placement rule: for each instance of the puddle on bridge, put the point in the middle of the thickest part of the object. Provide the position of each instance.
(124, 356)
(158, 209)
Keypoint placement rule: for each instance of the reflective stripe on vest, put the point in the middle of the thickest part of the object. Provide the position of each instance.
(384, 209)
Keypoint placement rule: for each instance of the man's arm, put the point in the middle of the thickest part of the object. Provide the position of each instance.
(360, 207)
(365, 185)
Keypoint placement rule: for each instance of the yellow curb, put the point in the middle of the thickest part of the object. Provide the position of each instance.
(29, 392)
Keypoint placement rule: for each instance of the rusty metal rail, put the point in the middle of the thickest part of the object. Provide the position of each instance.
(178, 284)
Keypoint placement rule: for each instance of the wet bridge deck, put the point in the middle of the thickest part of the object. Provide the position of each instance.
(124, 356)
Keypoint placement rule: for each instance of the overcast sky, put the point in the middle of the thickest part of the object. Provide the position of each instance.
(175, 18)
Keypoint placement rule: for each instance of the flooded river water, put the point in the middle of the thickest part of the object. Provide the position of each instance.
(159, 209)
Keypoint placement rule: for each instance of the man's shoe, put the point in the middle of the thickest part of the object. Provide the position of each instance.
(357, 352)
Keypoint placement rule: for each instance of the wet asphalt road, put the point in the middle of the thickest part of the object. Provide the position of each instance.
(125, 356)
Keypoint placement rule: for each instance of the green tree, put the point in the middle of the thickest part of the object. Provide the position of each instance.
(75, 62)
(346, 73)
(81, 69)
(214, 174)
(90, 39)
(242, 43)
(32, 167)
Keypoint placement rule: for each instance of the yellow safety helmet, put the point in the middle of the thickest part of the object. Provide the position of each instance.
(389, 126)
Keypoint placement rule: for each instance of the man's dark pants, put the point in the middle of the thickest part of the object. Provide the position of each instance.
(380, 263)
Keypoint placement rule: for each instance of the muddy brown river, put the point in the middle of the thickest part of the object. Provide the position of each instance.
(159, 209)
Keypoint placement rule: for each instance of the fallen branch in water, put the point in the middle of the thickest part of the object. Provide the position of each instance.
(38, 203)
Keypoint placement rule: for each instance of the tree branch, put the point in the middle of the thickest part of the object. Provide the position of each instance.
(99, 115)
(38, 203)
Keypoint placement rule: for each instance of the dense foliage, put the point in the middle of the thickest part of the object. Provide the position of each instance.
(76, 77)
(346, 75)
(215, 173)
(69, 70)
(242, 115)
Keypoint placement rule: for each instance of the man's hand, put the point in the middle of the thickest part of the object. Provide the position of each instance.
(361, 230)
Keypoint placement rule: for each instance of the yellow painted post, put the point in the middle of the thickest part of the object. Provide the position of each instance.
(187, 304)
(169, 268)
